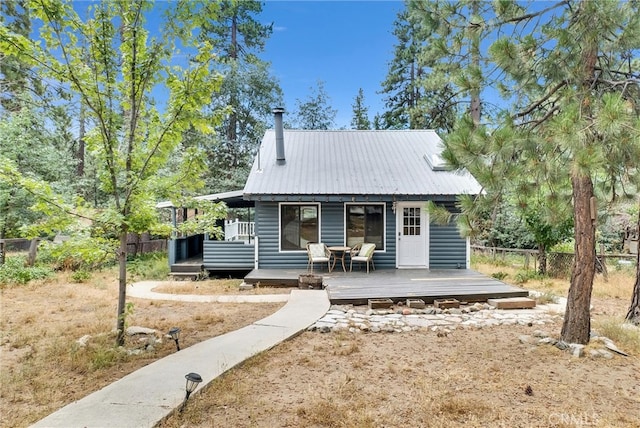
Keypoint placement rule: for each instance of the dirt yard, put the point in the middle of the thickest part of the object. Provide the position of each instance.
(45, 368)
(476, 377)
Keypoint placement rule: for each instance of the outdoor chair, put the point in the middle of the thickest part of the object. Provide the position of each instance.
(362, 253)
(318, 253)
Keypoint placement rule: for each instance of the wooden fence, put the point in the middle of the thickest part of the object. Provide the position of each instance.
(136, 244)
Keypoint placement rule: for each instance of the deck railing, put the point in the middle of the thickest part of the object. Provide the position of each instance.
(235, 230)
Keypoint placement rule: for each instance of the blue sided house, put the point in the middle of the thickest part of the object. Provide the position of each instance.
(340, 188)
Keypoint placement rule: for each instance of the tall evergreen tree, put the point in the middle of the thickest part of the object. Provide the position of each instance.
(249, 92)
(401, 84)
(16, 76)
(413, 99)
(315, 112)
(360, 119)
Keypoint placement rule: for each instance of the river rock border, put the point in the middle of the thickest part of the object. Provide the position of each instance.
(357, 319)
(361, 319)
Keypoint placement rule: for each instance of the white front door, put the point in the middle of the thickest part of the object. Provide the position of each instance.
(412, 226)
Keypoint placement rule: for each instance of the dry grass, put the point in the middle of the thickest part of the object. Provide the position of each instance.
(468, 378)
(43, 366)
(216, 287)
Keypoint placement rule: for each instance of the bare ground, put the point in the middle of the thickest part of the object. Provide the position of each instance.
(466, 378)
(43, 367)
(472, 378)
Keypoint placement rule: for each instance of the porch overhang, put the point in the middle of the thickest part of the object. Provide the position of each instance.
(233, 199)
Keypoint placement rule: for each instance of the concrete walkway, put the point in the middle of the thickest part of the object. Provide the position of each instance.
(144, 290)
(146, 396)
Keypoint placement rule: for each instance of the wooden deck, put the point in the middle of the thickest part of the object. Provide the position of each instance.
(397, 284)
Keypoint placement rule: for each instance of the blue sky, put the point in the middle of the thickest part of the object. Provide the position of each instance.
(345, 44)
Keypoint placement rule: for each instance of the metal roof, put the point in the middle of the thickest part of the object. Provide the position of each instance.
(353, 162)
(233, 199)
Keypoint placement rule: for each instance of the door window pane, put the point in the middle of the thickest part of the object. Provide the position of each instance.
(411, 221)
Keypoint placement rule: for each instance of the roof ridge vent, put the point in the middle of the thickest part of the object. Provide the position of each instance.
(436, 162)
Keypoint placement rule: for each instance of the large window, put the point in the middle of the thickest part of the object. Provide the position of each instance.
(298, 226)
(365, 223)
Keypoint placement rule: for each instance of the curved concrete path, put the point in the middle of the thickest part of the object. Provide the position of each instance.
(144, 290)
(146, 396)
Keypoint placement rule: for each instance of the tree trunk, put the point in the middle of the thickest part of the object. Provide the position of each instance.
(633, 316)
(122, 288)
(542, 259)
(577, 318)
(81, 143)
(475, 62)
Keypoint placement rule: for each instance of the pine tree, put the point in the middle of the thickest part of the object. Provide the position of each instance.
(249, 92)
(16, 76)
(315, 112)
(360, 118)
(419, 94)
(575, 105)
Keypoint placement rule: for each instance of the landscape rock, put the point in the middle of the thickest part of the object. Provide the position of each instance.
(405, 319)
(577, 350)
(84, 340)
(134, 330)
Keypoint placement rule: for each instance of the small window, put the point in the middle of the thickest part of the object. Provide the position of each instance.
(298, 226)
(365, 223)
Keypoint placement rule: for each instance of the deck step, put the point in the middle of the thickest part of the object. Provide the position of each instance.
(512, 303)
(185, 275)
(187, 268)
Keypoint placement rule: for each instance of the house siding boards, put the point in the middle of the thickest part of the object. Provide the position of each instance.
(447, 248)
(227, 255)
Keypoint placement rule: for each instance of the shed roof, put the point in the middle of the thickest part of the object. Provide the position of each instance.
(353, 162)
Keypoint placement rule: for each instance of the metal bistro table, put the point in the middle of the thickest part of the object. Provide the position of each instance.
(339, 252)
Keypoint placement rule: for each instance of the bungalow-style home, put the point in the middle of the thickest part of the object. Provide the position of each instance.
(341, 188)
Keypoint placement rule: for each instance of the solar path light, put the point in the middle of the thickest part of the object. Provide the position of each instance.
(175, 335)
(193, 379)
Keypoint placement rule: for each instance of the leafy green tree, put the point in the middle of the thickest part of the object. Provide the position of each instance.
(360, 119)
(315, 112)
(112, 65)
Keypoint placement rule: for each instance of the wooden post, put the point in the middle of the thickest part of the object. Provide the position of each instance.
(33, 249)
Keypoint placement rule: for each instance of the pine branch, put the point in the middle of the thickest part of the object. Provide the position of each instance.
(532, 15)
(541, 101)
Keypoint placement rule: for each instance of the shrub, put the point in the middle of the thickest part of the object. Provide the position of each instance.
(86, 253)
(14, 271)
(149, 266)
(523, 276)
(499, 275)
(81, 275)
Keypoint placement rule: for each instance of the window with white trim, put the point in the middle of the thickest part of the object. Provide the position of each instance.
(365, 223)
